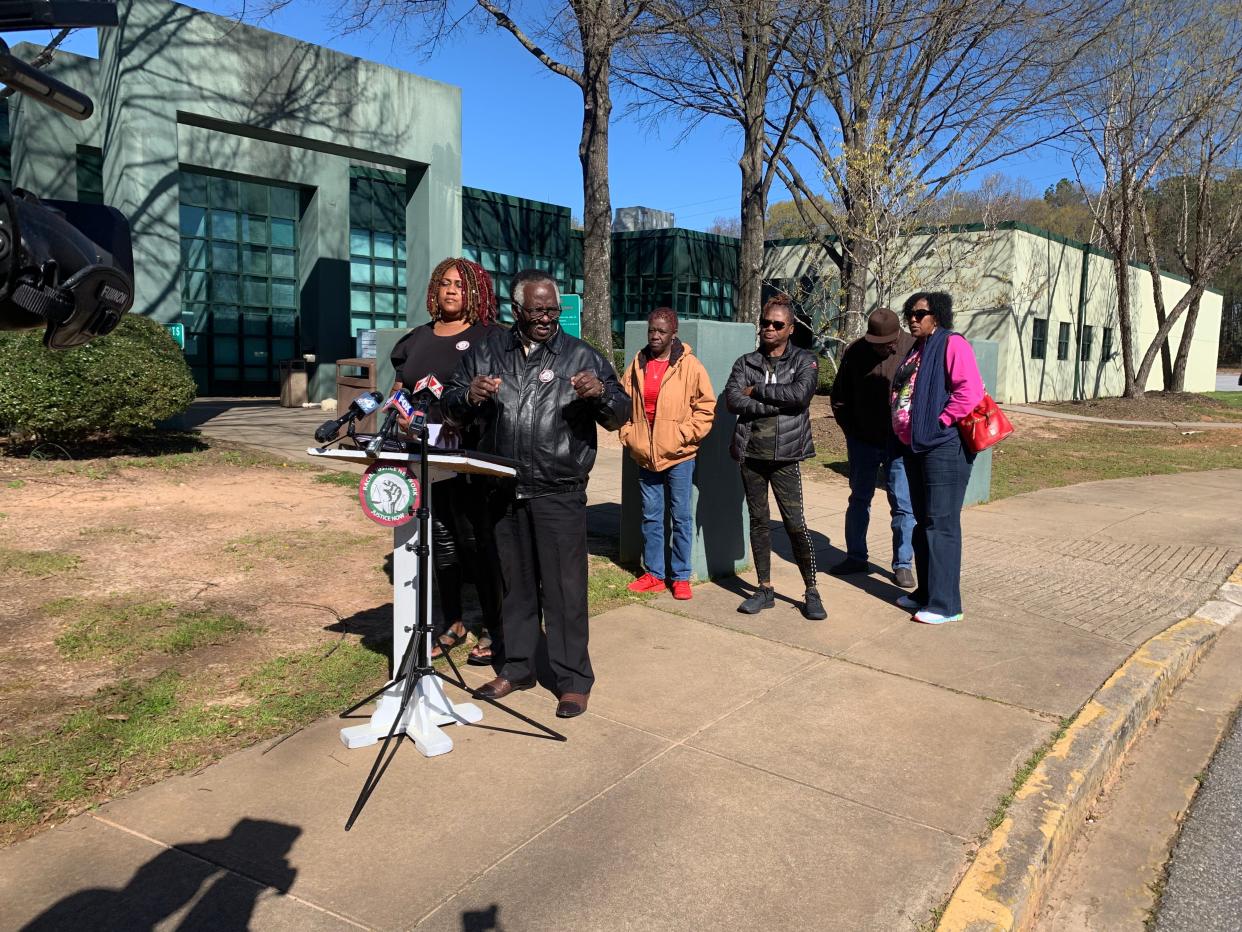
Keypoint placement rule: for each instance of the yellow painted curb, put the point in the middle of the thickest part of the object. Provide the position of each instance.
(1004, 886)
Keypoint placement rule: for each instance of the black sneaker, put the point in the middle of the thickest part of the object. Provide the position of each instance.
(813, 606)
(763, 598)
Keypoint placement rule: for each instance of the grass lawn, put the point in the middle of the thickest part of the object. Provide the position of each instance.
(1045, 454)
(1158, 406)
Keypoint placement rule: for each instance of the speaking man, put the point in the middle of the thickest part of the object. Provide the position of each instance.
(537, 394)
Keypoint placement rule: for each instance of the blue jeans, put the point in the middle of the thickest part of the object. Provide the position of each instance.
(865, 462)
(674, 485)
(938, 481)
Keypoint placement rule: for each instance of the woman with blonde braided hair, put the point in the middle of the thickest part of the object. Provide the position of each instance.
(461, 302)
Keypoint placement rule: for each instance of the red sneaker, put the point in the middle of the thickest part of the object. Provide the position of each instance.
(647, 583)
(681, 589)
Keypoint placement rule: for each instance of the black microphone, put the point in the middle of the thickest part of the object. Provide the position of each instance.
(426, 391)
(397, 404)
(359, 407)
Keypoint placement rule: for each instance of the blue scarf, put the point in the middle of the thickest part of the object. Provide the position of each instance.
(931, 395)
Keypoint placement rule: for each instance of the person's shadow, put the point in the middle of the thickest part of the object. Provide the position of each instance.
(172, 879)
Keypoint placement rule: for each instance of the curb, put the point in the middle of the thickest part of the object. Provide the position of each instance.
(1004, 886)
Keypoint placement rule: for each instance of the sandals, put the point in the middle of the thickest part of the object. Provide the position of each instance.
(447, 641)
(481, 654)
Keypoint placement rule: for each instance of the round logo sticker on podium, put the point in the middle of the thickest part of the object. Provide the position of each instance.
(389, 493)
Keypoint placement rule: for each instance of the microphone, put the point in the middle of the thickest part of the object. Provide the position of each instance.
(399, 402)
(426, 390)
(359, 407)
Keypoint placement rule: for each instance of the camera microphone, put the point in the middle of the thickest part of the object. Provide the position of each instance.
(359, 407)
(398, 404)
(426, 390)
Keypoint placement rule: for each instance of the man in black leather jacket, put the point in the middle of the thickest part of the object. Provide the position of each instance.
(770, 391)
(537, 394)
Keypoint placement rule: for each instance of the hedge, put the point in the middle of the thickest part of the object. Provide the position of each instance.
(118, 385)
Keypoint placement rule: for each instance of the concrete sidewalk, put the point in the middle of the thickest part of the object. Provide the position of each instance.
(733, 771)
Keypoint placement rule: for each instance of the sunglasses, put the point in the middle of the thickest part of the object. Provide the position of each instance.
(777, 325)
(919, 315)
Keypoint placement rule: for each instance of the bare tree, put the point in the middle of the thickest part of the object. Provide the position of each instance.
(911, 97)
(1135, 100)
(718, 58)
(576, 40)
(1199, 212)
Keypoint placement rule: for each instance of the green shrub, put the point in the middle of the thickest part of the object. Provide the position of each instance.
(827, 374)
(119, 384)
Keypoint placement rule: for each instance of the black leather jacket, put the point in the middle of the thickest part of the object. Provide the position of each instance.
(788, 400)
(537, 418)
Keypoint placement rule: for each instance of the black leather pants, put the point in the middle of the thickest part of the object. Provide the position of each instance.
(785, 479)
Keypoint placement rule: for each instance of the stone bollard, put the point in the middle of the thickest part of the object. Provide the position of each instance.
(979, 489)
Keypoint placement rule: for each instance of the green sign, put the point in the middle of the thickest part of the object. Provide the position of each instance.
(178, 333)
(571, 314)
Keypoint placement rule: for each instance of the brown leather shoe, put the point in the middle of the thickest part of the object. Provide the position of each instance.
(571, 705)
(501, 687)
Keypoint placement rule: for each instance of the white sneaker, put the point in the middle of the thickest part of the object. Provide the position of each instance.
(908, 603)
(932, 618)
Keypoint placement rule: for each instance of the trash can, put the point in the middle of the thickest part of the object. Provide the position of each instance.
(355, 377)
(293, 383)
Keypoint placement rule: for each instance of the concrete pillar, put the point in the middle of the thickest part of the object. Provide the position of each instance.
(721, 537)
(987, 354)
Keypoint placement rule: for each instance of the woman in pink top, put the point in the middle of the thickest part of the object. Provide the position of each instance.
(936, 385)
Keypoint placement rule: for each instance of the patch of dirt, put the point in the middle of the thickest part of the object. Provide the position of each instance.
(1153, 406)
(267, 545)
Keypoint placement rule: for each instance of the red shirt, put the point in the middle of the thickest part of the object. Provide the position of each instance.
(653, 375)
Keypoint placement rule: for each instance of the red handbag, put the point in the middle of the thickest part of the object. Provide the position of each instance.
(984, 426)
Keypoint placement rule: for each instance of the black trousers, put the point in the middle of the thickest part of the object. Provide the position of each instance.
(785, 479)
(465, 550)
(542, 544)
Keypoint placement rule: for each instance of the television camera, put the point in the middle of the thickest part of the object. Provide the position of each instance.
(64, 266)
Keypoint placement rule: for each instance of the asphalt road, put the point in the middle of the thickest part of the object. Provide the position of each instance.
(1227, 382)
(1204, 892)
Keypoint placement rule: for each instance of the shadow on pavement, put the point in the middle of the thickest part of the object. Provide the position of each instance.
(169, 881)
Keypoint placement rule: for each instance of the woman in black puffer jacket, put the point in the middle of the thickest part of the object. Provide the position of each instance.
(770, 391)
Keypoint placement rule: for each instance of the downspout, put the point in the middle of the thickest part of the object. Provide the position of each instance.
(1082, 310)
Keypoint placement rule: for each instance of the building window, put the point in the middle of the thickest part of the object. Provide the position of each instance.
(503, 264)
(377, 249)
(90, 175)
(1106, 345)
(1084, 344)
(239, 280)
(1039, 337)
(1063, 340)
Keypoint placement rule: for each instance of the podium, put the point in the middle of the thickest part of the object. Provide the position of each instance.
(429, 708)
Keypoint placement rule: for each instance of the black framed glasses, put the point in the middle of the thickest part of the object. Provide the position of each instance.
(919, 315)
(777, 325)
(534, 313)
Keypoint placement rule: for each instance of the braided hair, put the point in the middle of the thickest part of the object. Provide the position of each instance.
(478, 293)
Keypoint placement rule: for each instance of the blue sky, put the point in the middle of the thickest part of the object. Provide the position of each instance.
(521, 124)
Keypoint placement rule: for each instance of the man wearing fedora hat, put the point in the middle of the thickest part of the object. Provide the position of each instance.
(860, 404)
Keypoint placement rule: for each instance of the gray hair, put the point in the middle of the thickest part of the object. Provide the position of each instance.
(531, 276)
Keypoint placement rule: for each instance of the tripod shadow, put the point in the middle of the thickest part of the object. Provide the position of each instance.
(172, 879)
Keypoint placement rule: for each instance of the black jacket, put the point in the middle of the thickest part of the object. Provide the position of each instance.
(788, 400)
(860, 392)
(537, 418)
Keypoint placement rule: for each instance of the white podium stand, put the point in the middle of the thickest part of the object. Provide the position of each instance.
(429, 708)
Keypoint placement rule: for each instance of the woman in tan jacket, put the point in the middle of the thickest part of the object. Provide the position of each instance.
(673, 407)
